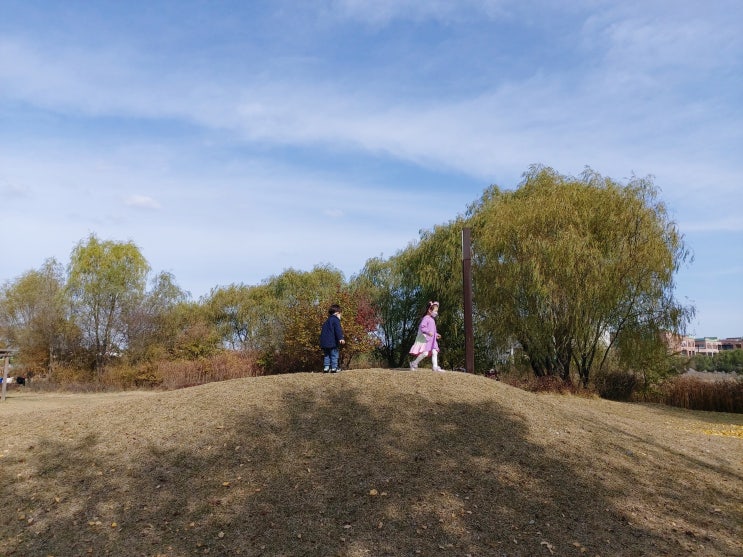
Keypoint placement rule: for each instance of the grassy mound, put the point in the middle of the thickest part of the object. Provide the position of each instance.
(365, 463)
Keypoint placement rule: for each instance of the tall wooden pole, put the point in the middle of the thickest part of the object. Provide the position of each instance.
(469, 337)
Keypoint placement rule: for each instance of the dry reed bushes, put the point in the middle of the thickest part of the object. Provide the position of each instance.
(220, 367)
(162, 374)
(694, 393)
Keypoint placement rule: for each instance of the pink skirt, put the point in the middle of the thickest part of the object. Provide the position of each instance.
(420, 345)
(418, 348)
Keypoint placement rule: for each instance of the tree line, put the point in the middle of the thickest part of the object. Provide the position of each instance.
(728, 361)
(570, 275)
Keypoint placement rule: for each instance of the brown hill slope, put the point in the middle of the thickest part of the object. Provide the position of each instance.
(365, 463)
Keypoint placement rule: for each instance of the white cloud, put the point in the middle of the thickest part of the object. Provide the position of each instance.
(493, 135)
(142, 201)
(538, 119)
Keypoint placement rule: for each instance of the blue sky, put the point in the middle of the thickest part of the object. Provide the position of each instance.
(231, 140)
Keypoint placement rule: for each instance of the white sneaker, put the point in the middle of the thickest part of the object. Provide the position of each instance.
(413, 366)
(439, 369)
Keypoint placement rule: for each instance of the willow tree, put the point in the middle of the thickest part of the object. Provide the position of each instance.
(565, 264)
(149, 321)
(437, 261)
(106, 279)
(279, 320)
(396, 294)
(245, 316)
(33, 316)
(400, 286)
(298, 303)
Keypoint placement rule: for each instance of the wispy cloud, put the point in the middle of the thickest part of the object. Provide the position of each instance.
(529, 120)
(141, 201)
(242, 145)
(13, 191)
(384, 11)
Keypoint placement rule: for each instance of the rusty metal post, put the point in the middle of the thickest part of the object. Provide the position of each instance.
(469, 337)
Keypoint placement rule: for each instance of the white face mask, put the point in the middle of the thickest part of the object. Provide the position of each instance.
(434, 314)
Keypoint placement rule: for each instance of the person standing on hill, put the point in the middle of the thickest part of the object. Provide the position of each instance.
(331, 337)
(426, 343)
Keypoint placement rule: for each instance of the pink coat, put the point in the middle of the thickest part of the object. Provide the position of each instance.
(428, 329)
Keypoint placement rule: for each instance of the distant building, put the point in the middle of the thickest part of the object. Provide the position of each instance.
(731, 343)
(708, 346)
(682, 345)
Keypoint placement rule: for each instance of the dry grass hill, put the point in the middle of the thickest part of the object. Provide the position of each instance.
(365, 463)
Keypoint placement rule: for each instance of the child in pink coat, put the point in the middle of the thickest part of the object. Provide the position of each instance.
(426, 343)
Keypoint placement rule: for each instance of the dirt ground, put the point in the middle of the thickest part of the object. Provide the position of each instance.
(367, 462)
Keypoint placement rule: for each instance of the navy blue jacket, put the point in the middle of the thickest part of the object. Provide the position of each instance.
(331, 333)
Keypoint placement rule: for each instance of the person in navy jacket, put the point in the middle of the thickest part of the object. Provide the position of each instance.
(331, 337)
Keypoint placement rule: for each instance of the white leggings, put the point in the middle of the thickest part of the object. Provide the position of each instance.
(434, 358)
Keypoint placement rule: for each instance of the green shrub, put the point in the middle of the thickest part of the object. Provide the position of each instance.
(727, 361)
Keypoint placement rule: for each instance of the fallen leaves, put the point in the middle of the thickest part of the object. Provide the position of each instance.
(549, 546)
(725, 431)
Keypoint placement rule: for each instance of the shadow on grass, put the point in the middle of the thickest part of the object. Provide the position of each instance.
(324, 475)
